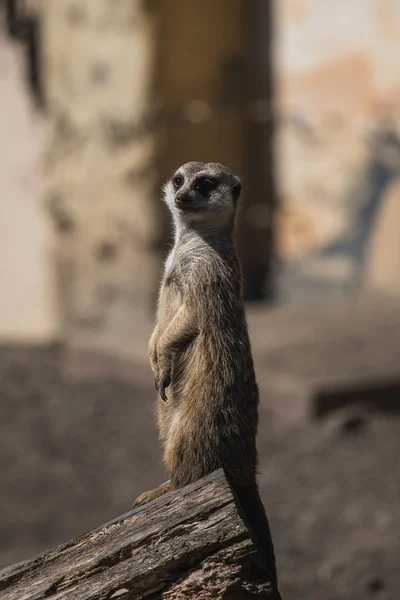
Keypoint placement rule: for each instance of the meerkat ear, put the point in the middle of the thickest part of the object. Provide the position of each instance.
(236, 191)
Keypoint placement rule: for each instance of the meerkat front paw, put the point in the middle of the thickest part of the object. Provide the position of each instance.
(163, 382)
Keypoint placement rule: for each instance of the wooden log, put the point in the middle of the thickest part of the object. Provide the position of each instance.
(190, 543)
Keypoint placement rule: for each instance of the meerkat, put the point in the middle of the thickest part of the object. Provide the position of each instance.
(200, 351)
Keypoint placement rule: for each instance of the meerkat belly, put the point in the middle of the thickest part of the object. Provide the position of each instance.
(170, 414)
(194, 446)
(206, 424)
(185, 369)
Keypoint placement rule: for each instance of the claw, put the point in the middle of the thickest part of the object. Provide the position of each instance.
(165, 381)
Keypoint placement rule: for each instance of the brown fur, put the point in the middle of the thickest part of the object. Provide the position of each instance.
(200, 349)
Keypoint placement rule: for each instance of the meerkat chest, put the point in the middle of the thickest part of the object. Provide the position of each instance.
(169, 265)
(170, 294)
(170, 298)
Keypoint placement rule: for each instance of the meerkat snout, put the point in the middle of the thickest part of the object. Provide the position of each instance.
(182, 201)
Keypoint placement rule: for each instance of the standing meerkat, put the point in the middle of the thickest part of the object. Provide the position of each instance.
(200, 351)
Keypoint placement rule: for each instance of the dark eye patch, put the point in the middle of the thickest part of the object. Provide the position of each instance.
(177, 181)
(205, 185)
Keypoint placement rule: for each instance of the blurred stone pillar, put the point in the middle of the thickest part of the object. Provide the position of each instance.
(205, 61)
(256, 240)
(99, 63)
(202, 45)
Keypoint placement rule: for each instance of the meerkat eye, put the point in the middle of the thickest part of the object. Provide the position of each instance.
(205, 185)
(177, 182)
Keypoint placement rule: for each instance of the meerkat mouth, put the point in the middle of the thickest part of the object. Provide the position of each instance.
(188, 209)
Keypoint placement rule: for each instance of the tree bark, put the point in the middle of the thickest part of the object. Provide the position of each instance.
(190, 543)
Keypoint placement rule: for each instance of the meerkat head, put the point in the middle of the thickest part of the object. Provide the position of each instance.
(205, 193)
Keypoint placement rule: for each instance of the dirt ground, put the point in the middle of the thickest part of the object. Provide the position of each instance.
(74, 455)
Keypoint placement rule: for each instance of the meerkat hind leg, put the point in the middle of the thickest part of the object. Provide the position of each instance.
(153, 494)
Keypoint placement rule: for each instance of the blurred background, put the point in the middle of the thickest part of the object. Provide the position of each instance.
(100, 101)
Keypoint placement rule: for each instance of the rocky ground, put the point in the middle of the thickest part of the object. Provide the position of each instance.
(75, 454)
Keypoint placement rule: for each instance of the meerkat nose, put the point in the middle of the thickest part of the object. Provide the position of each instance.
(181, 199)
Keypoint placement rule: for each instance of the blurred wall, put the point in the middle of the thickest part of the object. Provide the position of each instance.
(337, 73)
(27, 303)
(99, 76)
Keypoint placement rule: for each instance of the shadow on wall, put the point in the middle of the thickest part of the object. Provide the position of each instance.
(382, 168)
(22, 24)
(312, 274)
